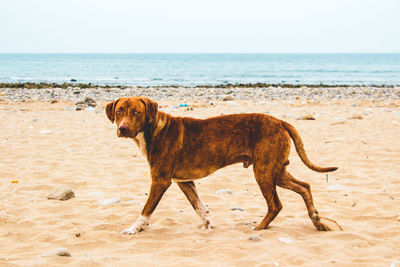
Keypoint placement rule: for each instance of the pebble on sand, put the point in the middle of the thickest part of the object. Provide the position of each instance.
(88, 102)
(237, 208)
(108, 201)
(62, 193)
(228, 98)
(356, 117)
(255, 238)
(62, 252)
(224, 191)
(307, 118)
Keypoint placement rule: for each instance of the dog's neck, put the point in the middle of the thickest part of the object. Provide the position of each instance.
(140, 141)
(145, 138)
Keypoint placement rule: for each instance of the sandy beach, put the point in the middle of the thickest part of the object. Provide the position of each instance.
(45, 146)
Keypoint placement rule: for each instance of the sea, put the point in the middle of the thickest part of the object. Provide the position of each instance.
(201, 69)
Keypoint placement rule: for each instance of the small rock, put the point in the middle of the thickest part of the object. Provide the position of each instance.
(285, 240)
(228, 98)
(307, 118)
(356, 117)
(53, 101)
(237, 208)
(224, 191)
(80, 107)
(90, 102)
(78, 234)
(62, 194)
(255, 238)
(62, 252)
(109, 201)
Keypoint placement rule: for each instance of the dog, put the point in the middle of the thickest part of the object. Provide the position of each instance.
(183, 149)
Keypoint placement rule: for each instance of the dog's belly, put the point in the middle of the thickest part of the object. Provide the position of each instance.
(190, 173)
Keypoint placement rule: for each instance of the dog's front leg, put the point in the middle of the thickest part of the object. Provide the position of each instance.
(157, 190)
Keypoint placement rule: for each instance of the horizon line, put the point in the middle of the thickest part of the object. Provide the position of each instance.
(198, 53)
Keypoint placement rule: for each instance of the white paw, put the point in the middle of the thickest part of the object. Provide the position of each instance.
(207, 225)
(139, 225)
(129, 231)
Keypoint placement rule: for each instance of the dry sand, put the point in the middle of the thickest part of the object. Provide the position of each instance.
(46, 146)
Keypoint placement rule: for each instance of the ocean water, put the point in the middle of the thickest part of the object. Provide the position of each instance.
(202, 69)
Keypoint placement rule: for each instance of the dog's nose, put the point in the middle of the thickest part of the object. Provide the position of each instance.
(123, 129)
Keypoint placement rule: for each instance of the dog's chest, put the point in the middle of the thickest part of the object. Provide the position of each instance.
(141, 143)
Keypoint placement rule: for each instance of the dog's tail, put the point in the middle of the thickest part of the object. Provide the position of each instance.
(302, 153)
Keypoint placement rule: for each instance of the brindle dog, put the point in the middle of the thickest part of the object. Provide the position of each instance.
(184, 149)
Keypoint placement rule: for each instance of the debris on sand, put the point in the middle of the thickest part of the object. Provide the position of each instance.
(62, 252)
(62, 193)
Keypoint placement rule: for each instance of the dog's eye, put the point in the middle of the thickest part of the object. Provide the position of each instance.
(135, 112)
(118, 112)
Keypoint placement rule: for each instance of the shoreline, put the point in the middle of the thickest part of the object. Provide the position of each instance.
(44, 85)
(204, 94)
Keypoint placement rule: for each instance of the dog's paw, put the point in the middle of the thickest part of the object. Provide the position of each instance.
(325, 224)
(139, 225)
(129, 231)
(207, 225)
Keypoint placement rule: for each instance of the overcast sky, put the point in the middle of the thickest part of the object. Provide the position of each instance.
(202, 26)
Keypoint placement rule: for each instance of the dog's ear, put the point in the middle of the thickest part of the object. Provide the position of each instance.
(151, 109)
(110, 110)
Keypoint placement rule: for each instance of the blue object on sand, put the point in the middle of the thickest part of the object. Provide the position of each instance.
(183, 105)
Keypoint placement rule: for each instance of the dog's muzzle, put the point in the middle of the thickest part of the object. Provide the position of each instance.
(123, 131)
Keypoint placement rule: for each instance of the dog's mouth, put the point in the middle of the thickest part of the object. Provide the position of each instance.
(124, 133)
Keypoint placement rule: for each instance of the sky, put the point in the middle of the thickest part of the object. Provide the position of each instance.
(205, 26)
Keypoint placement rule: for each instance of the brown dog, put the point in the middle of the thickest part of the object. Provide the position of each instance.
(185, 149)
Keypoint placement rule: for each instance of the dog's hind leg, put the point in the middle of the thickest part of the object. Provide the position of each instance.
(189, 189)
(265, 178)
(286, 180)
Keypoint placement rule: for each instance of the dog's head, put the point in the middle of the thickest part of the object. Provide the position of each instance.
(131, 114)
